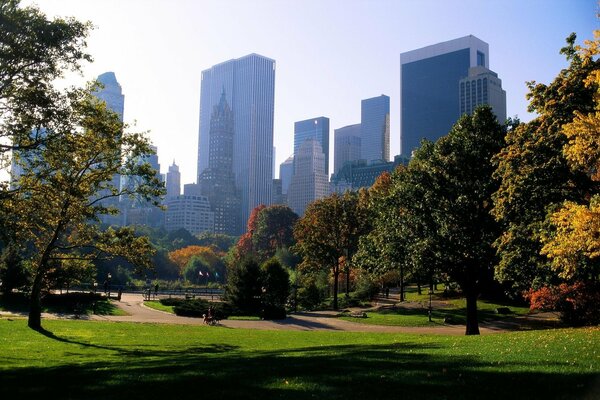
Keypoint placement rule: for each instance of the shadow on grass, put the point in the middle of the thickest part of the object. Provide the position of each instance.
(405, 370)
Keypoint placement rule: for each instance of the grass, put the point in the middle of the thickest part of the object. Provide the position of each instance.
(68, 303)
(157, 305)
(97, 360)
(453, 310)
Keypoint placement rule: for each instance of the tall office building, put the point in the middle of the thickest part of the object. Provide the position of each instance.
(482, 86)
(189, 212)
(249, 82)
(375, 129)
(429, 88)
(217, 182)
(286, 170)
(309, 181)
(347, 146)
(112, 95)
(173, 184)
(316, 129)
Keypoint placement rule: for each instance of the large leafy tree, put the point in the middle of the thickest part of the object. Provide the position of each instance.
(462, 167)
(329, 232)
(273, 230)
(534, 173)
(574, 245)
(55, 209)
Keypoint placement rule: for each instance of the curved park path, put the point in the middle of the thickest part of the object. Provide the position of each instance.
(133, 305)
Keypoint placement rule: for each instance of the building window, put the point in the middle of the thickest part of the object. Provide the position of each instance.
(480, 59)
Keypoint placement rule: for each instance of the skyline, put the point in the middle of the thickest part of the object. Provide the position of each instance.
(329, 55)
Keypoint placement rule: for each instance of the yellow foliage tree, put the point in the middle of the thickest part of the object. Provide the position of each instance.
(182, 257)
(577, 238)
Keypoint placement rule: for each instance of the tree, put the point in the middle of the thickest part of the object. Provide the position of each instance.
(329, 230)
(245, 245)
(273, 230)
(34, 52)
(56, 206)
(182, 257)
(244, 286)
(535, 176)
(462, 168)
(275, 288)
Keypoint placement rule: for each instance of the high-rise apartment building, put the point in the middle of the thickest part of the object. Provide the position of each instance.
(217, 182)
(191, 213)
(315, 129)
(173, 184)
(375, 129)
(482, 86)
(429, 88)
(309, 181)
(347, 143)
(249, 82)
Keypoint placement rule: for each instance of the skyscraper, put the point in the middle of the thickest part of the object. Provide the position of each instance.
(217, 182)
(482, 86)
(316, 129)
(286, 170)
(347, 146)
(429, 88)
(173, 184)
(375, 128)
(112, 95)
(309, 181)
(249, 82)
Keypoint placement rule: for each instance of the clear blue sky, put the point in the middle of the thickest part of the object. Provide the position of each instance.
(330, 54)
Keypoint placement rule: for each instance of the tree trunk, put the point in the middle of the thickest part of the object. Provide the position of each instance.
(401, 282)
(35, 306)
(335, 289)
(419, 287)
(347, 281)
(472, 323)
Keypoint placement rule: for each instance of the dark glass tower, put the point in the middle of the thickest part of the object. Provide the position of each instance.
(250, 86)
(217, 182)
(429, 90)
(375, 129)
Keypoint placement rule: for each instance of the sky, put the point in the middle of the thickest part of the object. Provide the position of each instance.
(330, 54)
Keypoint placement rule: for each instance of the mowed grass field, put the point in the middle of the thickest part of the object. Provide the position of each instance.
(103, 360)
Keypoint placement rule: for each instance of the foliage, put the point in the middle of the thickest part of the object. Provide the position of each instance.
(534, 172)
(313, 290)
(197, 308)
(245, 245)
(273, 230)
(276, 289)
(220, 242)
(574, 245)
(243, 290)
(206, 255)
(578, 302)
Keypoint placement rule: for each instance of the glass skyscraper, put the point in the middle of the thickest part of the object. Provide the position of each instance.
(249, 82)
(429, 88)
(375, 128)
(347, 146)
(316, 129)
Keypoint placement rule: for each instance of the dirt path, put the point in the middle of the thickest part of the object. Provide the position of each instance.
(309, 321)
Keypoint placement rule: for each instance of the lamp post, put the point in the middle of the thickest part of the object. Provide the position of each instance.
(108, 280)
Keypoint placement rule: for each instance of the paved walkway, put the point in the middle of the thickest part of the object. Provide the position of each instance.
(309, 321)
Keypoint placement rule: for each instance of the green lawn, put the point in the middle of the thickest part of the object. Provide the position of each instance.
(455, 311)
(100, 360)
(157, 305)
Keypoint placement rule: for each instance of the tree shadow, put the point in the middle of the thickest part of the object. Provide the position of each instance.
(408, 370)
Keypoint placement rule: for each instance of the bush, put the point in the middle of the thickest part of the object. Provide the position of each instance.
(366, 288)
(197, 308)
(244, 287)
(577, 303)
(276, 289)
